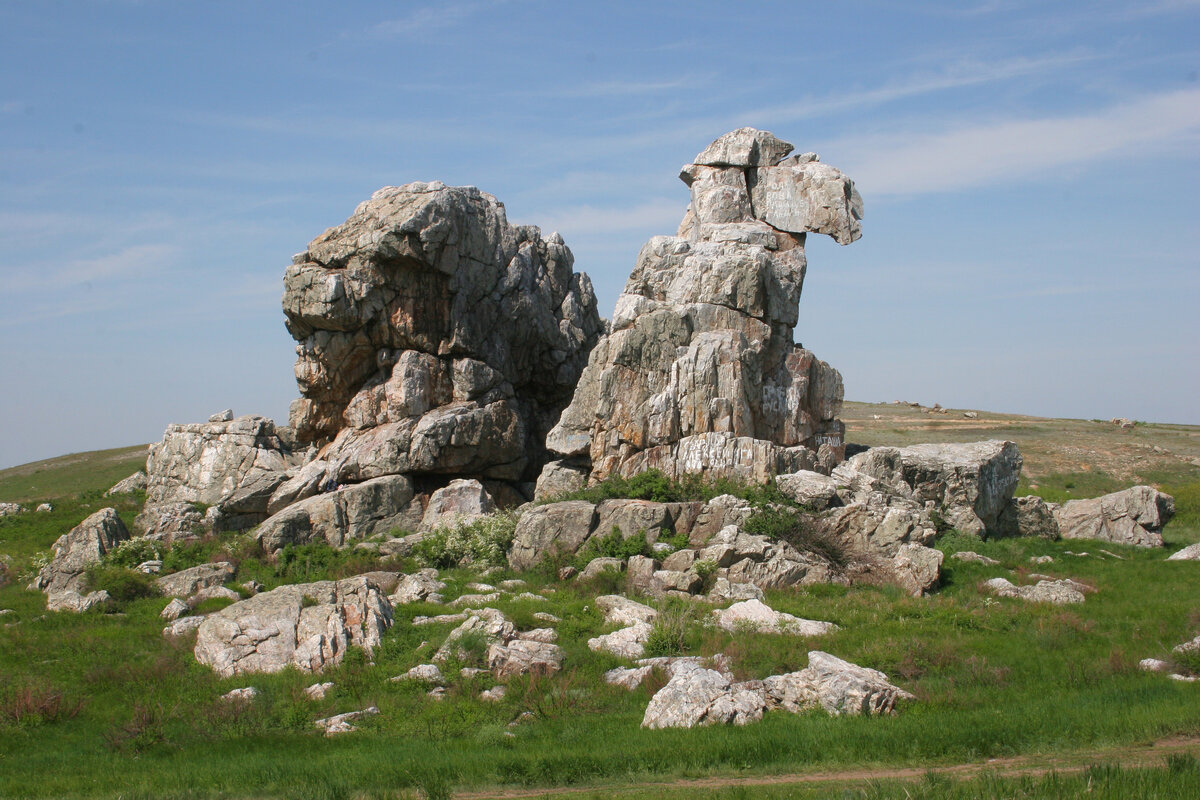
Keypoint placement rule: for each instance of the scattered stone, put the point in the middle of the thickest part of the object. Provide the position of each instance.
(1056, 592)
(545, 635)
(475, 600)
(971, 415)
(244, 695)
(513, 584)
(971, 557)
(424, 673)
(697, 696)
(917, 568)
(835, 685)
(493, 695)
(620, 610)
(418, 587)
(64, 579)
(1134, 516)
(757, 616)
(1154, 665)
(134, 483)
(529, 596)
(222, 416)
(597, 566)
(44, 508)
(436, 693)
(187, 582)
(7, 509)
(1111, 554)
(318, 690)
(542, 616)
(1041, 559)
(1189, 647)
(1175, 676)
(567, 572)
(174, 610)
(341, 723)
(308, 625)
(488, 623)
(628, 642)
(182, 627)
(1189, 553)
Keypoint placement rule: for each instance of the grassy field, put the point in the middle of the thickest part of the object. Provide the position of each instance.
(101, 705)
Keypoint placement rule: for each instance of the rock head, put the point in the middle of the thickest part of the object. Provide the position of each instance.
(699, 373)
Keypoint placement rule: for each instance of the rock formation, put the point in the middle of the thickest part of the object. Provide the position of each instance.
(699, 373)
(64, 579)
(1134, 516)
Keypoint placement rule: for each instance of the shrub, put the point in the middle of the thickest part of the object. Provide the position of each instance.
(318, 562)
(786, 525)
(132, 552)
(33, 704)
(484, 540)
(612, 545)
(122, 584)
(670, 633)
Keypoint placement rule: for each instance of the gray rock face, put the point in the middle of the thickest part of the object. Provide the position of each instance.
(308, 625)
(349, 514)
(917, 568)
(835, 685)
(186, 583)
(972, 482)
(699, 373)
(63, 579)
(1134, 516)
(462, 501)
(698, 696)
(810, 489)
(404, 317)
(556, 527)
(232, 465)
(134, 483)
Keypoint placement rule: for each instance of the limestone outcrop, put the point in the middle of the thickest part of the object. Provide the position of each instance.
(230, 466)
(699, 373)
(64, 579)
(1134, 516)
(308, 625)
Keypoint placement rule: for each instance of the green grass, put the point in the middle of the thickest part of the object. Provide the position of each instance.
(66, 476)
(101, 705)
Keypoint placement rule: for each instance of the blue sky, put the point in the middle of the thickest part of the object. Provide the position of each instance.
(1029, 169)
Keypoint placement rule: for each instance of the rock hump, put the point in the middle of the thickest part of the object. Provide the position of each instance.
(699, 372)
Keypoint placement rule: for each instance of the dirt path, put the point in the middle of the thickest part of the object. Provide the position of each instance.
(1154, 754)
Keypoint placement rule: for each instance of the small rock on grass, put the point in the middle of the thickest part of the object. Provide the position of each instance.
(318, 690)
(341, 723)
(244, 694)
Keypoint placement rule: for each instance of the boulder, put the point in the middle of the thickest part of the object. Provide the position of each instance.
(698, 696)
(349, 514)
(810, 489)
(423, 673)
(837, 686)
(1189, 553)
(174, 610)
(917, 568)
(462, 501)
(559, 478)
(171, 522)
(9, 509)
(308, 625)
(341, 723)
(970, 557)
(418, 587)
(628, 642)
(524, 656)
(64, 578)
(1044, 591)
(489, 624)
(633, 518)
(134, 483)
(699, 373)
(403, 317)
(1134, 516)
(232, 465)
(187, 582)
(757, 616)
(556, 527)
(620, 610)
(1029, 516)
(600, 565)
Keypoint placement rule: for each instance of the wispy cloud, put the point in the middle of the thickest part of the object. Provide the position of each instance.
(437, 16)
(1007, 150)
(588, 220)
(135, 261)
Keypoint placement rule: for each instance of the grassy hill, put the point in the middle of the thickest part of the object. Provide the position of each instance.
(102, 705)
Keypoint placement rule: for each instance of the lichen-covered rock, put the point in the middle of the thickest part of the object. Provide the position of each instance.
(835, 685)
(917, 568)
(1134, 516)
(64, 579)
(758, 616)
(232, 465)
(307, 625)
(186, 583)
(699, 373)
(698, 696)
(404, 317)
(348, 514)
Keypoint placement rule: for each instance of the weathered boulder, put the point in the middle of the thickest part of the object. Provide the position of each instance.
(524, 656)
(8, 509)
(810, 489)
(1189, 553)
(486, 623)
(187, 582)
(971, 482)
(620, 610)
(917, 568)
(422, 585)
(699, 372)
(559, 478)
(134, 483)
(835, 685)
(462, 501)
(404, 317)
(1134, 516)
(758, 616)
(698, 696)
(174, 610)
(628, 642)
(64, 579)
(1044, 591)
(308, 625)
(348, 514)
(555, 527)
(598, 566)
(1029, 516)
(970, 557)
(233, 465)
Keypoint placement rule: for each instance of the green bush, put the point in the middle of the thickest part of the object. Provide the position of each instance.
(132, 552)
(654, 485)
(673, 629)
(612, 545)
(121, 583)
(482, 541)
(788, 526)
